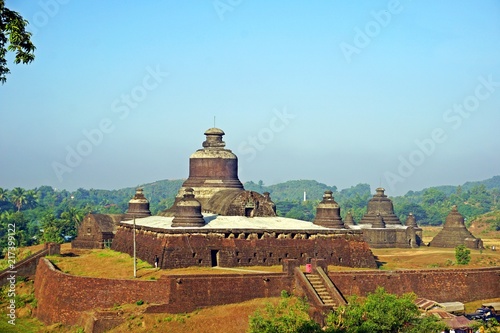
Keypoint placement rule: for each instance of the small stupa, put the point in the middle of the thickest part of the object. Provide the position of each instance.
(411, 221)
(188, 211)
(138, 206)
(455, 233)
(328, 212)
(349, 220)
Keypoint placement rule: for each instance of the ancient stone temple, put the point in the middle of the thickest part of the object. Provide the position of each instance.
(380, 204)
(455, 233)
(214, 221)
(213, 176)
(97, 231)
(382, 228)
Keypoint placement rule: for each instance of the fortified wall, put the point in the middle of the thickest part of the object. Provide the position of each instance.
(64, 298)
(26, 268)
(440, 285)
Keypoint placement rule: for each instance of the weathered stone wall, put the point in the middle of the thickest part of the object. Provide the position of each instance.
(26, 268)
(63, 298)
(441, 285)
(390, 238)
(250, 248)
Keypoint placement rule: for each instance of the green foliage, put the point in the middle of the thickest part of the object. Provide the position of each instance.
(13, 38)
(489, 326)
(289, 315)
(462, 255)
(382, 312)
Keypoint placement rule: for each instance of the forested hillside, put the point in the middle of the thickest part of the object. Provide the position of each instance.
(46, 214)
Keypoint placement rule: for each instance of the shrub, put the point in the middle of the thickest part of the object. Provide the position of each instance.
(462, 255)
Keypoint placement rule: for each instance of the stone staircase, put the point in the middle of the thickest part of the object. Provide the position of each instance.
(320, 289)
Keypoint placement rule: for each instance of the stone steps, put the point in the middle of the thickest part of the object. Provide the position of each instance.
(320, 289)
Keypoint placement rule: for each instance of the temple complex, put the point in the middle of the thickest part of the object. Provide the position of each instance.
(455, 233)
(214, 221)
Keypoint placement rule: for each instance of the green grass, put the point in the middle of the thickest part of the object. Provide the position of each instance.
(23, 325)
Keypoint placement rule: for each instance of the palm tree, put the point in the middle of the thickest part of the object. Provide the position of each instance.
(31, 198)
(4, 194)
(73, 216)
(18, 197)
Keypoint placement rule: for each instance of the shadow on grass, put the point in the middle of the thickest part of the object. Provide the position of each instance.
(380, 264)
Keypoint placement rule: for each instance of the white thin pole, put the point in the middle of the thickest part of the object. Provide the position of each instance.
(135, 261)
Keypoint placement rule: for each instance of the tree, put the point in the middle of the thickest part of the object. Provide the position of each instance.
(382, 312)
(4, 194)
(18, 197)
(31, 198)
(288, 316)
(72, 218)
(52, 229)
(462, 254)
(14, 38)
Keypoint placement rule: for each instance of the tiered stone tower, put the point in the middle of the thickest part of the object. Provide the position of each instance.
(212, 168)
(411, 222)
(328, 212)
(213, 178)
(455, 233)
(349, 220)
(188, 212)
(380, 204)
(138, 206)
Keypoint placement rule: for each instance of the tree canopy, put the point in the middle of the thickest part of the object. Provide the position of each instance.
(14, 38)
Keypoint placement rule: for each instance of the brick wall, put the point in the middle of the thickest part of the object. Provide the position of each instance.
(27, 267)
(444, 285)
(64, 298)
(250, 248)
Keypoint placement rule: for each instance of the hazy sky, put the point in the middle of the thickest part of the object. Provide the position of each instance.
(402, 94)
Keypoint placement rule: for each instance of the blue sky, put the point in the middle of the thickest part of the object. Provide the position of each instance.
(399, 94)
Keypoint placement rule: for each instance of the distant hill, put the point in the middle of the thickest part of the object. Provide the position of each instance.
(292, 190)
(489, 184)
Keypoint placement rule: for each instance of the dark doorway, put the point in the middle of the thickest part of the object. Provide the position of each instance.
(215, 257)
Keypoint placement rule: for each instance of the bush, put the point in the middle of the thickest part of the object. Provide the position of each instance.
(290, 315)
(462, 255)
